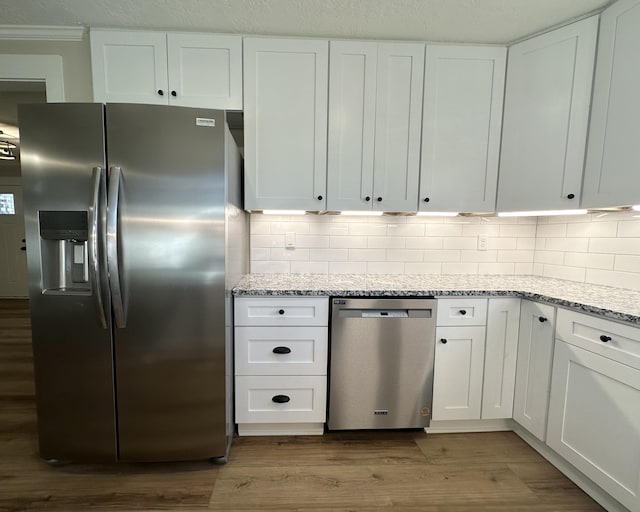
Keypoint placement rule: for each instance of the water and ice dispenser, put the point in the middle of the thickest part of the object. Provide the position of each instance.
(64, 251)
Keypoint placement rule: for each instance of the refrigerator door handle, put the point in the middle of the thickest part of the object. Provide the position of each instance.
(93, 243)
(115, 177)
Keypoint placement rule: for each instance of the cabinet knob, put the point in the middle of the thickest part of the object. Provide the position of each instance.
(282, 350)
(604, 338)
(23, 248)
(379, 199)
(463, 312)
(426, 199)
(160, 92)
(542, 319)
(571, 196)
(320, 198)
(280, 399)
(443, 341)
(174, 93)
(367, 199)
(281, 311)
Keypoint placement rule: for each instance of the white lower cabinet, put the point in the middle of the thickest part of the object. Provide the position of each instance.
(594, 420)
(281, 346)
(475, 355)
(533, 367)
(594, 407)
(457, 390)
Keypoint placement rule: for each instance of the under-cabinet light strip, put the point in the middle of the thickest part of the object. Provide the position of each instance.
(284, 212)
(542, 213)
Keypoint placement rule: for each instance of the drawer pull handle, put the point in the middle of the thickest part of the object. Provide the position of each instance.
(604, 338)
(463, 312)
(280, 399)
(282, 350)
(281, 312)
(443, 341)
(542, 319)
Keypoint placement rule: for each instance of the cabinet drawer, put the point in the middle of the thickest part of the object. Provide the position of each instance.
(611, 339)
(281, 399)
(281, 350)
(462, 311)
(281, 311)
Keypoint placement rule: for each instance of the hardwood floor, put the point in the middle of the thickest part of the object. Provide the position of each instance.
(337, 472)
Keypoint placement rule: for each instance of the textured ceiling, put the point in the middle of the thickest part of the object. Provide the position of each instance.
(481, 21)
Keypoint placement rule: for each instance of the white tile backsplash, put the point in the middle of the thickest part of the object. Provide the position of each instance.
(601, 248)
(598, 248)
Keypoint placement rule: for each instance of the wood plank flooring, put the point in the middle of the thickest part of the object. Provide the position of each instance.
(337, 472)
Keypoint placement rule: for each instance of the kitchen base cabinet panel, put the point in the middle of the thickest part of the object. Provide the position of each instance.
(594, 420)
(459, 359)
(533, 367)
(501, 350)
(281, 350)
(276, 399)
(278, 351)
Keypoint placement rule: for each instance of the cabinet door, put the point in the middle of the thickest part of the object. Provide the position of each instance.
(352, 103)
(611, 173)
(546, 115)
(533, 367)
(129, 67)
(457, 374)
(500, 356)
(398, 124)
(285, 123)
(463, 95)
(205, 70)
(594, 420)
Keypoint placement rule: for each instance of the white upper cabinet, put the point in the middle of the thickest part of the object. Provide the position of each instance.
(205, 70)
(285, 123)
(546, 117)
(375, 105)
(463, 97)
(129, 67)
(195, 70)
(612, 176)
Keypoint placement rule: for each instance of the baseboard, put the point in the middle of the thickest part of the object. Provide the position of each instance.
(280, 429)
(459, 426)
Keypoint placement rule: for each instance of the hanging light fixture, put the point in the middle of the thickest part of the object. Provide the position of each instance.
(7, 149)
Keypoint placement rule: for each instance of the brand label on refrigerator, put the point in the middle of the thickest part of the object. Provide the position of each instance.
(205, 121)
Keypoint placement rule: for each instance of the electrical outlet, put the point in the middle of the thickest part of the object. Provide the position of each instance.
(290, 239)
(483, 242)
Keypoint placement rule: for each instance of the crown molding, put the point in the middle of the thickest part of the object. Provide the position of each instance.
(40, 33)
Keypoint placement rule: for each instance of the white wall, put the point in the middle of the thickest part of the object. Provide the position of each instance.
(595, 248)
(76, 62)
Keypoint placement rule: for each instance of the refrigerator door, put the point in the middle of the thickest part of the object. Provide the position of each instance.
(63, 162)
(169, 239)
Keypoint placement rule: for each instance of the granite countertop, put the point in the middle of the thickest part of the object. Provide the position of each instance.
(614, 303)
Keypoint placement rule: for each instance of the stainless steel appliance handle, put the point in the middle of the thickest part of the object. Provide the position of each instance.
(93, 243)
(115, 177)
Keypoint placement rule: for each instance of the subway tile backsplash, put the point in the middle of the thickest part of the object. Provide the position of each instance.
(598, 248)
(392, 245)
(595, 248)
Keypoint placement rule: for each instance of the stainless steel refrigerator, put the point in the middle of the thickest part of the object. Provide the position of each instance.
(135, 235)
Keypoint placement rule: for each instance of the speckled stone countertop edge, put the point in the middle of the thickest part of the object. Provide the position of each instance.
(577, 296)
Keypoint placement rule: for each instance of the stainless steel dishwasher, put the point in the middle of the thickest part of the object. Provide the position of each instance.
(381, 373)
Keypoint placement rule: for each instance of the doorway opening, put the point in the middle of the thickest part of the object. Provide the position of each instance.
(13, 261)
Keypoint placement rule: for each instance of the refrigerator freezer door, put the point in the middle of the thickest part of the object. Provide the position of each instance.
(170, 356)
(62, 149)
